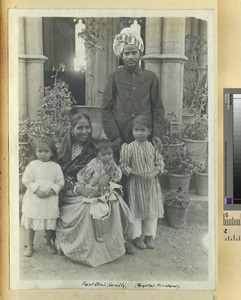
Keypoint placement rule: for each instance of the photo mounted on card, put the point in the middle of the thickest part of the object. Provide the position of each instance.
(112, 149)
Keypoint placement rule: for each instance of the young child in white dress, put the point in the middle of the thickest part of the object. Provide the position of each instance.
(43, 179)
(142, 163)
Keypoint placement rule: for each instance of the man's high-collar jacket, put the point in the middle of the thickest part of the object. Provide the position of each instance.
(129, 94)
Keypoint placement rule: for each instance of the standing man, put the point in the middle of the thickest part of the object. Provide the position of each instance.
(131, 91)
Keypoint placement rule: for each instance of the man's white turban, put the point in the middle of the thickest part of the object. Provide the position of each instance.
(127, 36)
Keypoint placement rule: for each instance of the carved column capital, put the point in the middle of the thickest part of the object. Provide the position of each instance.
(167, 58)
(31, 58)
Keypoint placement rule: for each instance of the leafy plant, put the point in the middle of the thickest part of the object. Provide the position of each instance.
(169, 135)
(179, 162)
(61, 68)
(201, 168)
(195, 94)
(198, 130)
(92, 33)
(25, 152)
(54, 116)
(176, 198)
(22, 133)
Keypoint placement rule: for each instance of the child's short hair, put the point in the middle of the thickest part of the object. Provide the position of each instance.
(50, 143)
(142, 120)
(103, 144)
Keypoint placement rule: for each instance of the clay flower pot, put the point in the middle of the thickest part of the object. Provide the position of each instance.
(176, 207)
(197, 149)
(172, 147)
(188, 118)
(201, 184)
(176, 216)
(195, 137)
(179, 181)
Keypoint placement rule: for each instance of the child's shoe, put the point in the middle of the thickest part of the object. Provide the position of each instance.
(149, 241)
(139, 243)
(130, 249)
(51, 249)
(28, 251)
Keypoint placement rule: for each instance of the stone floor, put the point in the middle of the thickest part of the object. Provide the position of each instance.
(180, 255)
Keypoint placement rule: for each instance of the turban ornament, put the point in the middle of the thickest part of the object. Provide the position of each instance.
(127, 36)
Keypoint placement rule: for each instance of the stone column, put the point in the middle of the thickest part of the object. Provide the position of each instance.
(34, 60)
(188, 26)
(203, 58)
(153, 45)
(173, 47)
(22, 72)
(194, 26)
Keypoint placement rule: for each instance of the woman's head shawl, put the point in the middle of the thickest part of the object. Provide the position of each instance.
(127, 36)
(71, 167)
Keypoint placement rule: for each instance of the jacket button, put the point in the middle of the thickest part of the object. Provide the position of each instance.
(133, 115)
(134, 88)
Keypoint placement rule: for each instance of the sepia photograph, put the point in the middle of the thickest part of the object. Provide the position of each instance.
(112, 149)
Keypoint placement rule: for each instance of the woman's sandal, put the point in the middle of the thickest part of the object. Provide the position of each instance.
(130, 249)
(29, 251)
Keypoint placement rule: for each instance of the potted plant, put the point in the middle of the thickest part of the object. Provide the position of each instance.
(171, 140)
(201, 178)
(195, 136)
(179, 166)
(176, 207)
(54, 116)
(171, 134)
(198, 92)
(195, 93)
(53, 120)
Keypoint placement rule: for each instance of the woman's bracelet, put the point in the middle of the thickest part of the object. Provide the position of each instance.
(75, 190)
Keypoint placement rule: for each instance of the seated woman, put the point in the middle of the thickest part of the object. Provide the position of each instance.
(83, 238)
